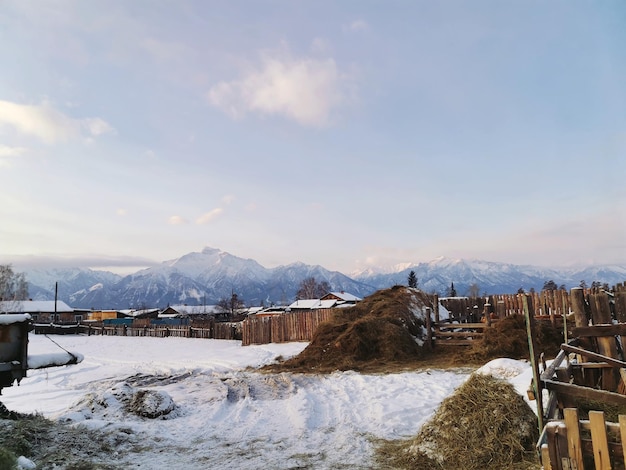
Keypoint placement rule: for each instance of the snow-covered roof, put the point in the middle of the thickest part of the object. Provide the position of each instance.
(136, 313)
(313, 304)
(34, 306)
(345, 296)
(253, 310)
(194, 309)
(10, 318)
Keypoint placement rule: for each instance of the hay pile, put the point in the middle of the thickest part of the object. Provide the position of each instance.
(484, 425)
(508, 338)
(385, 328)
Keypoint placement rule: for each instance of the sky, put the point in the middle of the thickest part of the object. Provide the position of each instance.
(348, 134)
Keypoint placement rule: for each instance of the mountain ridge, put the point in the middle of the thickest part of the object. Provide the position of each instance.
(205, 277)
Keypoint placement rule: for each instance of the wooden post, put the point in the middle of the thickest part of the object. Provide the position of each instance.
(500, 309)
(622, 432)
(537, 388)
(574, 444)
(599, 440)
(601, 315)
(429, 330)
(436, 307)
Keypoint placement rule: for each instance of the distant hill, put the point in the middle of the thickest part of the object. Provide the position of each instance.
(203, 278)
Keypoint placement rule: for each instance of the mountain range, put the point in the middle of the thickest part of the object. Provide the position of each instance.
(203, 278)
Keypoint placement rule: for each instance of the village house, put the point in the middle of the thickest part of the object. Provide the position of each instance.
(184, 311)
(43, 311)
(343, 297)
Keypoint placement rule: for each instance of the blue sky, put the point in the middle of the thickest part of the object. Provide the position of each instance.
(347, 134)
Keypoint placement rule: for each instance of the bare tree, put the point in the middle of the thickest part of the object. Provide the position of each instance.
(311, 289)
(474, 290)
(13, 286)
(13, 289)
(230, 307)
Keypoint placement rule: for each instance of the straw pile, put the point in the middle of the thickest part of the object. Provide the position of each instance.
(386, 328)
(484, 425)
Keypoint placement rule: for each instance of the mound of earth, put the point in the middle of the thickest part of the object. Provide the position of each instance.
(484, 425)
(385, 328)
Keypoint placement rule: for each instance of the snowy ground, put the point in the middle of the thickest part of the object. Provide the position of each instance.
(223, 415)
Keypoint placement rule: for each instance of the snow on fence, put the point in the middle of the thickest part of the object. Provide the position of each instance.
(280, 328)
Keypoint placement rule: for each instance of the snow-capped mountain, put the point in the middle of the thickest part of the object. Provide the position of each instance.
(199, 278)
(203, 278)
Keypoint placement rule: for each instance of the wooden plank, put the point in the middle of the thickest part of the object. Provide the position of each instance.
(621, 387)
(457, 334)
(562, 446)
(590, 354)
(549, 372)
(574, 445)
(454, 342)
(587, 393)
(622, 433)
(528, 316)
(454, 326)
(553, 456)
(545, 457)
(593, 365)
(601, 454)
(618, 329)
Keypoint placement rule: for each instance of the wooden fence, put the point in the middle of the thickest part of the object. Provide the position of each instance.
(296, 326)
(549, 304)
(212, 330)
(471, 316)
(579, 444)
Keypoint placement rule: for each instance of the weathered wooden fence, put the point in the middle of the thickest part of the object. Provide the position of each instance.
(579, 444)
(296, 326)
(213, 330)
(470, 316)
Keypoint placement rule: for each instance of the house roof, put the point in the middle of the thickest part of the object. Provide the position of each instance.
(303, 304)
(34, 306)
(138, 313)
(345, 296)
(194, 309)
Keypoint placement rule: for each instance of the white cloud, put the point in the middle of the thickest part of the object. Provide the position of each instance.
(228, 199)
(97, 126)
(177, 220)
(6, 153)
(122, 212)
(358, 25)
(209, 216)
(46, 123)
(305, 90)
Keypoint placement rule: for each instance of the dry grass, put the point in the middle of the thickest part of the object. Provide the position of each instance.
(484, 425)
(508, 338)
(378, 334)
